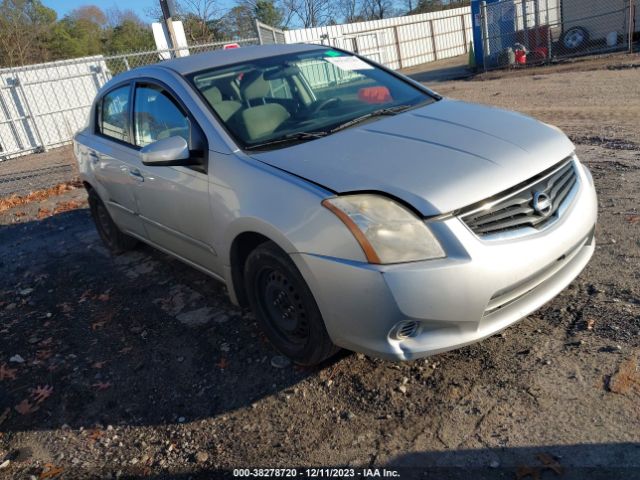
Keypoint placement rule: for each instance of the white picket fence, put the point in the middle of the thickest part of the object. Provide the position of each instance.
(398, 42)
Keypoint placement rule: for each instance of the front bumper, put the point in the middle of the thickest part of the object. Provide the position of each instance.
(481, 288)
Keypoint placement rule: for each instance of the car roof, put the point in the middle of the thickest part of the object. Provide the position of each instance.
(220, 58)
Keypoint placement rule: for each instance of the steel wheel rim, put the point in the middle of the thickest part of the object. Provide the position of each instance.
(282, 305)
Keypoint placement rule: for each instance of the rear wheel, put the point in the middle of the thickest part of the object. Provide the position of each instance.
(285, 307)
(113, 238)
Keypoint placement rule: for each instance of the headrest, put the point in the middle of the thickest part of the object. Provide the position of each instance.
(253, 85)
(213, 95)
(264, 119)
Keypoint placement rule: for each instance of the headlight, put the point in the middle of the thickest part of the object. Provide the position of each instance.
(386, 231)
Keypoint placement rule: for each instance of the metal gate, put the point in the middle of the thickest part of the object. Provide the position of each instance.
(268, 35)
(42, 106)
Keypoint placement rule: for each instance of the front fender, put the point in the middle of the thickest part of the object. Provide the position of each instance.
(249, 196)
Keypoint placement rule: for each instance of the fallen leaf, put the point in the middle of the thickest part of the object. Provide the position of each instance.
(43, 213)
(40, 394)
(50, 471)
(102, 320)
(551, 463)
(43, 354)
(6, 372)
(633, 219)
(5, 415)
(46, 342)
(98, 365)
(25, 407)
(37, 195)
(67, 206)
(591, 323)
(65, 307)
(626, 377)
(104, 297)
(87, 294)
(95, 434)
(527, 472)
(102, 385)
(125, 350)
(223, 363)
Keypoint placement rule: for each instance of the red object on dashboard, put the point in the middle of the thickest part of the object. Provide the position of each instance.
(230, 46)
(374, 95)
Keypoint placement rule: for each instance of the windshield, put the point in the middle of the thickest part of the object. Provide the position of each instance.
(275, 101)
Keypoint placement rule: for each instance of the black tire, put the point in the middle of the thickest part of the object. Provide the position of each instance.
(116, 241)
(575, 38)
(284, 306)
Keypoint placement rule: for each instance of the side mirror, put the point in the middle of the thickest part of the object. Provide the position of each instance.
(170, 151)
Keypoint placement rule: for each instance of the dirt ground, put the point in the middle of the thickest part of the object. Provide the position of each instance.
(139, 367)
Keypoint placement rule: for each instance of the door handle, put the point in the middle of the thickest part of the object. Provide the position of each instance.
(95, 158)
(135, 173)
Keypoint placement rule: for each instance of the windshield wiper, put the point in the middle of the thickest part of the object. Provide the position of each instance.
(289, 138)
(381, 112)
(302, 136)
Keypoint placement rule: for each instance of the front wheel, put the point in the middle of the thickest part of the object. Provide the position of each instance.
(113, 238)
(284, 306)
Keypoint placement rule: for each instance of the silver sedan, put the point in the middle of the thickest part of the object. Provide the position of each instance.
(346, 204)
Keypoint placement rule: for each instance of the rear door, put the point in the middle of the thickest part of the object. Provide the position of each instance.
(113, 157)
(173, 200)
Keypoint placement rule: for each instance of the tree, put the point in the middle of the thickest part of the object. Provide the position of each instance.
(266, 12)
(130, 35)
(80, 33)
(424, 6)
(237, 23)
(350, 10)
(377, 9)
(25, 26)
(311, 13)
(200, 19)
(89, 13)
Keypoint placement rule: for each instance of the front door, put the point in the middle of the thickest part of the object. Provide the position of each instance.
(173, 201)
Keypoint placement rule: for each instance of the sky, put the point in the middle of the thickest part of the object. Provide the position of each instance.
(141, 7)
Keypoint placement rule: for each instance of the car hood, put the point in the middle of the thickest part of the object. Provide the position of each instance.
(438, 158)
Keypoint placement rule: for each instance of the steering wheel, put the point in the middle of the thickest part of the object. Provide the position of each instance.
(324, 104)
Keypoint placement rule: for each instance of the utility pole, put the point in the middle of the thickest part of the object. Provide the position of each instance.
(168, 12)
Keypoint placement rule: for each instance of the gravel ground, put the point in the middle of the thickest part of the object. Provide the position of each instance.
(21, 175)
(139, 367)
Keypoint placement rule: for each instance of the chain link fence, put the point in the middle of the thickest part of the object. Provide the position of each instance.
(530, 32)
(42, 106)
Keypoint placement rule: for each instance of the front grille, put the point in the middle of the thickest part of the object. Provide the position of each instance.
(533, 205)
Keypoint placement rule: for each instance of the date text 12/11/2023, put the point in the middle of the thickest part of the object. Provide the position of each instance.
(316, 473)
